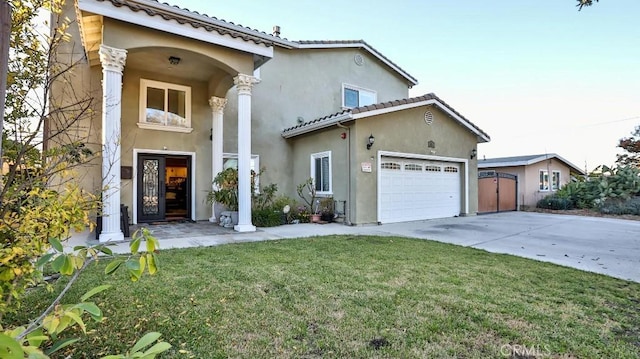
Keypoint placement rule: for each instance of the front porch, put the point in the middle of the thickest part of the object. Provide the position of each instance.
(164, 89)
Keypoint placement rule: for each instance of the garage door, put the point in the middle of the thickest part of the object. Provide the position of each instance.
(412, 190)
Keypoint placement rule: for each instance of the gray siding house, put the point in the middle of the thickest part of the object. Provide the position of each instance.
(184, 95)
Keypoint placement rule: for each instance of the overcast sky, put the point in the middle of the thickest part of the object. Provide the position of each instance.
(538, 76)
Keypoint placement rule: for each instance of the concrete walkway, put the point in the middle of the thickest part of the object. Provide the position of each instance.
(606, 246)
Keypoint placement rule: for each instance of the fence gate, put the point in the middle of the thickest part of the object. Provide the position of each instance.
(497, 192)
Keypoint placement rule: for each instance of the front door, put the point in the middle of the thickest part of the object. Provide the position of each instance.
(151, 188)
(164, 187)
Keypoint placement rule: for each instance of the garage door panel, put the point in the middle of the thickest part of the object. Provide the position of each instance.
(417, 189)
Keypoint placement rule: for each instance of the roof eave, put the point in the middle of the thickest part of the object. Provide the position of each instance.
(412, 81)
(481, 137)
(311, 127)
(260, 44)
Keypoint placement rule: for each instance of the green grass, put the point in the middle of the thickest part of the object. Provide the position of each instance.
(361, 297)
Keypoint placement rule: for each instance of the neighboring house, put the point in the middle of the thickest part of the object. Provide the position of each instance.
(185, 95)
(537, 175)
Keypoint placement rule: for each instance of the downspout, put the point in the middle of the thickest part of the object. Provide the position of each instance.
(347, 206)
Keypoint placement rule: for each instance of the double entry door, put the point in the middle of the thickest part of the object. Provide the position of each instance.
(163, 187)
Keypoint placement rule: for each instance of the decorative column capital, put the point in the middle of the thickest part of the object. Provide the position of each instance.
(245, 83)
(112, 59)
(217, 103)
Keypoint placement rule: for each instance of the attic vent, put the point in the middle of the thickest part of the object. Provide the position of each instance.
(358, 59)
(428, 117)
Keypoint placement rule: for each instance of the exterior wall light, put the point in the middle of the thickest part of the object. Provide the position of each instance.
(474, 153)
(371, 141)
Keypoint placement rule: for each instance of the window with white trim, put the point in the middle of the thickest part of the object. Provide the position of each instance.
(544, 180)
(165, 106)
(555, 181)
(321, 172)
(230, 160)
(353, 96)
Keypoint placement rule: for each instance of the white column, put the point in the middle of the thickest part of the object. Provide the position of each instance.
(217, 116)
(112, 61)
(244, 84)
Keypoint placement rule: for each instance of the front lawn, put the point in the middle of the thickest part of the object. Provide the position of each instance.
(362, 297)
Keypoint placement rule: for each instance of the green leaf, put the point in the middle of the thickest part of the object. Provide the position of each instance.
(76, 318)
(60, 344)
(143, 264)
(133, 265)
(151, 244)
(77, 248)
(67, 265)
(55, 243)
(36, 338)
(10, 348)
(112, 266)
(57, 263)
(44, 259)
(90, 308)
(151, 263)
(135, 245)
(157, 349)
(105, 250)
(145, 341)
(94, 291)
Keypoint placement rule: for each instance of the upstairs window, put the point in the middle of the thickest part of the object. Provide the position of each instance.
(165, 106)
(353, 96)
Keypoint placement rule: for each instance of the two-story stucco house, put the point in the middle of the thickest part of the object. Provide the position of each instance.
(183, 95)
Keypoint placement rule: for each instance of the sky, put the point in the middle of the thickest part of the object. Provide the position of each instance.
(538, 76)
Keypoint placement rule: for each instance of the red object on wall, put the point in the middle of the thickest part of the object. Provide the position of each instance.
(343, 135)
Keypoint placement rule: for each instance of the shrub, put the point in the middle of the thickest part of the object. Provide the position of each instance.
(618, 206)
(555, 202)
(267, 217)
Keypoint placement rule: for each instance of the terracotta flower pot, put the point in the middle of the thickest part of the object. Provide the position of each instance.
(315, 218)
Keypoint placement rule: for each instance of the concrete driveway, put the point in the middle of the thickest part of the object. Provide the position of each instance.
(601, 245)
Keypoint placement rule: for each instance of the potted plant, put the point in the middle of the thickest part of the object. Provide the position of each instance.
(307, 192)
(326, 209)
(225, 192)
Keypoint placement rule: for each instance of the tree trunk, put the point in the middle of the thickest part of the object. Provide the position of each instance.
(5, 34)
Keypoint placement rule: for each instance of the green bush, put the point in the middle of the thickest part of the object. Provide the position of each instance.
(555, 202)
(618, 206)
(607, 187)
(267, 217)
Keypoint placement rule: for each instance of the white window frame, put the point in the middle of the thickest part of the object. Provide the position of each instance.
(312, 164)
(254, 165)
(541, 178)
(142, 123)
(555, 181)
(360, 90)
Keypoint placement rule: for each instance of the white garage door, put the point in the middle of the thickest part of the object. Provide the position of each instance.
(412, 190)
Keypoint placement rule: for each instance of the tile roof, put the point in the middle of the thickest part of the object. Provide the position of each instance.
(356, 43)
(514, 161)
(197, 20)
(365, 111)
